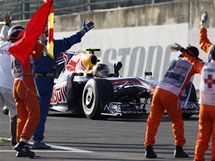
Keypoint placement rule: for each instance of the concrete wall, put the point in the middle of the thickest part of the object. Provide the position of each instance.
(167, 13)
(181, 11)
(125, 17)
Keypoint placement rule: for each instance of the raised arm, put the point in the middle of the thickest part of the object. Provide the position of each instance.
(5, 28)
(66, 43)
(204, 42)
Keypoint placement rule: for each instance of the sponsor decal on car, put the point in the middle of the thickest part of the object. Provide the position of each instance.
(59, 96)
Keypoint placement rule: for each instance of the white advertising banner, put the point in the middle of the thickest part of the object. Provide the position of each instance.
(140, 49)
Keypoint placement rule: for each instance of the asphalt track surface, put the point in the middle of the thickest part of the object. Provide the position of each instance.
(116, 139)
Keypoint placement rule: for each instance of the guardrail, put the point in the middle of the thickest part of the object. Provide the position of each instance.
(23, 9)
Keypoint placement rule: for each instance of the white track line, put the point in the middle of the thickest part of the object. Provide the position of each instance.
(44, 151)
(66, 149)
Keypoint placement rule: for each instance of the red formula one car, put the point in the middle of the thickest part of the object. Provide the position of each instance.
(77, 90)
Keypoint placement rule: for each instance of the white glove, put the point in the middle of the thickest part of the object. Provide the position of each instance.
(204, 20)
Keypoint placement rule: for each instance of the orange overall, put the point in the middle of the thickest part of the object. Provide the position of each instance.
(204, 42)
(166, 100)
(26, 99)
(206, 114)
(206, 130)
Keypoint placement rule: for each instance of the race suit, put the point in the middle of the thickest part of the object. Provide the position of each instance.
(44, 72)
(26, 97)
(166, 97)
(204, 42)
(6, 82)
(207, 113)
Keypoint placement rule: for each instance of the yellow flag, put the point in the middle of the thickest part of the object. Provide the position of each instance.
(50, 44)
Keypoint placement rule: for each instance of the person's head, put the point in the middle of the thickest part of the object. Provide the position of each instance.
(101, 70)
(192, 50)
(15, 33)
(43, 38)
(212, 53)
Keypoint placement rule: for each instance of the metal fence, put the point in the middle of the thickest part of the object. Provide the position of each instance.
(23, 9)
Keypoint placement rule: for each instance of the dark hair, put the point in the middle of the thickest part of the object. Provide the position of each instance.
(15, 33)
(193, 51)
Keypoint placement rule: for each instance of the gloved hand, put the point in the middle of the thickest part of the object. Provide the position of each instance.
(87, 27)
(117, 67)
(204, 20)
(7, 18)
(177, 47)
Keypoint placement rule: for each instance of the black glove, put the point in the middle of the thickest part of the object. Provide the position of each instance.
(117, 67)
(87, 26)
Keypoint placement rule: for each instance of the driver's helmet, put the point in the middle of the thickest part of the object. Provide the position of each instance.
(101, 70)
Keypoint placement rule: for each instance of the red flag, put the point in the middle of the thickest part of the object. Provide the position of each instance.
(23, 48)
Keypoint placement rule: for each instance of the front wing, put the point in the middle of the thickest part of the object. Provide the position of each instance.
(190, 107)
(122, 108)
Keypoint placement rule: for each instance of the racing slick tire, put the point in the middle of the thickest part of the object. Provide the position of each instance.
(73, 101)
(192, 98)
(96, 91)
(187, 115)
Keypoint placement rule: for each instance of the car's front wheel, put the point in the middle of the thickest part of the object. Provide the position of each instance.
(95, 92)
